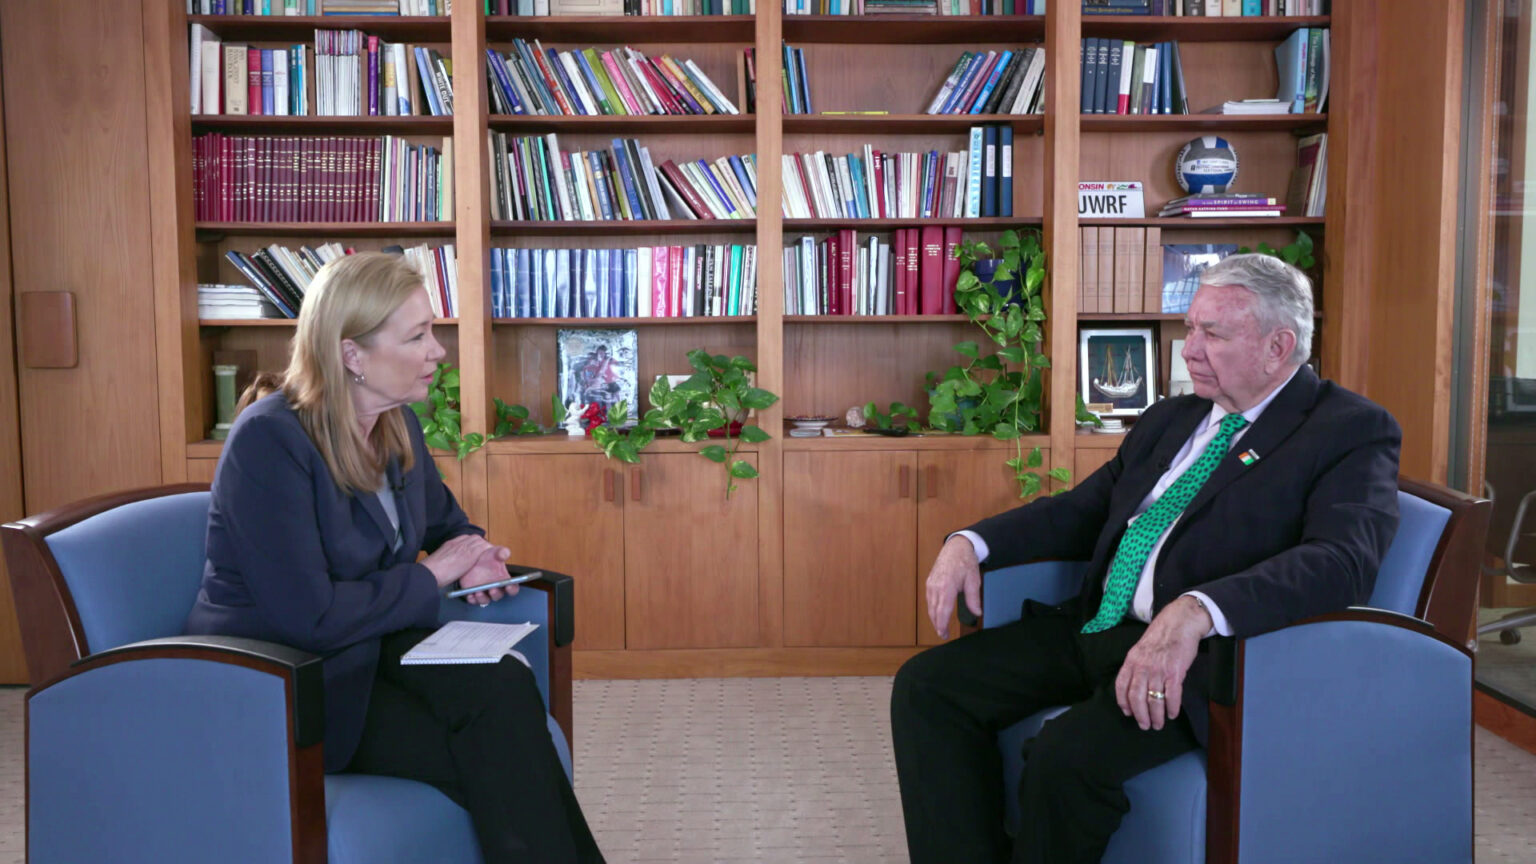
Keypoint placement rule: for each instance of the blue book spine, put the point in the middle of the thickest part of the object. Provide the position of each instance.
(600, 180)
(535, 77)
(564, 80)
(972, 67)
(615, 282)
(1005, 171)
(805, 89)
(1253, 7)
(989, 182)
(632, 286)
(559, 286)
(522, 300)
(496, 308)
(424, 70)
(794, 80)
(743, 179)
(503, 83)
(627, 177)
(986, 89)
(268, 106)
(600, 300)
(592, 83)
(714, 181)
(589, 285)
(860, 189)
(1165, 78)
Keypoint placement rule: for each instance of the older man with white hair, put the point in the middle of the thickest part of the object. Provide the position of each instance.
(1266, 497)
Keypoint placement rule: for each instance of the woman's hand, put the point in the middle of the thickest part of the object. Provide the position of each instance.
(490, 566)
(455, 558)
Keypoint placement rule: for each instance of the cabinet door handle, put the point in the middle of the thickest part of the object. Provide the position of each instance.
(930, 482)
(634, 484)
(608, 485)
(904, 481)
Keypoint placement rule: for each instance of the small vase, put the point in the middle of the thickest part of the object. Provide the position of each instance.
(224, 400)
(986, 269)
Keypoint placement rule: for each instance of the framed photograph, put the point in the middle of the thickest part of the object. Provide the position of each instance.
(599, 366)
(1116, 368)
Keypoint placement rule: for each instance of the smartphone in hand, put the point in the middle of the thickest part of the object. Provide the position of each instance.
(518, 579)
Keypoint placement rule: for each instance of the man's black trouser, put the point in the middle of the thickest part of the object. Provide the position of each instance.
(949, 703)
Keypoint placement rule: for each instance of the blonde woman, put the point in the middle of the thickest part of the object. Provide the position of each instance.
(324, 497)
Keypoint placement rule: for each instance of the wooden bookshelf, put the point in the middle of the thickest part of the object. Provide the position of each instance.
(746, 551)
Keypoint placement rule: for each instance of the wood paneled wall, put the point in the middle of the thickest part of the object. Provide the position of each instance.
(13, 666)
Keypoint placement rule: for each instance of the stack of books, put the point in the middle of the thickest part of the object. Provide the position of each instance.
(962, 184)
(1122, 77)
(357, 75)
(1308, 192)
(1009, 82)
(534, 179)
(1223, 205)
(1206, 8)
(242, 178)
(1251, 107)
(914, 7)
(319, 7)
(234, 302)
(532, 79)
(914, 273)
(645, 282)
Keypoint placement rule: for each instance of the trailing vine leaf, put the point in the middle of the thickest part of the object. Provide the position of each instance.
(441, 417)
(998, 391)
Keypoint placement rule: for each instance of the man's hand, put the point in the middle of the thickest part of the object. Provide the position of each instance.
(489, 567)
(955, 569)
(1159, 661)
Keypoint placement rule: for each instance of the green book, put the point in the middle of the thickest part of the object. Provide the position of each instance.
(596, 62)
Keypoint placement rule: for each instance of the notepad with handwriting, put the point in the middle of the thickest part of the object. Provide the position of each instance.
(467, 642)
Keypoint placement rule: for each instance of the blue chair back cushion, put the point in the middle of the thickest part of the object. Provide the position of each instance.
(1400, 579)
(134, 571)
(115, 776)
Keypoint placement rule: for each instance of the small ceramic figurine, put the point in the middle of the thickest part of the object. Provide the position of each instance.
(572, 422)
(855, 417)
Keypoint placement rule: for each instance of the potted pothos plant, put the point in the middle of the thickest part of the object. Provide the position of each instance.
(718, 395)
(997, 390)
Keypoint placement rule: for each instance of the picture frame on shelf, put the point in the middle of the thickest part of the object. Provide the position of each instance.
(599, 366)
(1118, 367)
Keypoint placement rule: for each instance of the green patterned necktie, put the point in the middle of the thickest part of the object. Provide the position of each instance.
(1141, 536)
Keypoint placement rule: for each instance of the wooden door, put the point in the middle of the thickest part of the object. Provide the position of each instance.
(690, 555)
(563, 512)
(850, 548)
(955, 490)
(77, 166)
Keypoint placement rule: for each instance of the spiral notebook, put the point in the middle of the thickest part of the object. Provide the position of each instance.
(467, 642)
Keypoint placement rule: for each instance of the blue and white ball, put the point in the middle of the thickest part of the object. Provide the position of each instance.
(1205, 165)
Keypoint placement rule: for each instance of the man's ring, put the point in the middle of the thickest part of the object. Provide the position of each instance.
(1156, 694)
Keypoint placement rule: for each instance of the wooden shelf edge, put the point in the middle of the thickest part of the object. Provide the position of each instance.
(889, 124)
(332, 229)
(867, 442)
(286, 322)
(1137, 124)
(1199, 29)
(1181, 222)
(670, 123)
(913, 29)
(560, 444)
(313, 124)
(626, 227)
(985, 222)
(875, 319)
(628, 29)
(698, 321)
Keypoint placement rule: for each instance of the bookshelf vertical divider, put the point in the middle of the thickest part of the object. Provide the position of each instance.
(772, 374)
(472, 215)
(1062, 35)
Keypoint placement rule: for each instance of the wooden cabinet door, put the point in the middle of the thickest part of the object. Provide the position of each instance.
(850, 550)
(77, 152)
(563, 512)
(690, 555)
(955, 490)
(1086, 461)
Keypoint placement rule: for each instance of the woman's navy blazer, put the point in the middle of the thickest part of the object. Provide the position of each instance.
(294, 559)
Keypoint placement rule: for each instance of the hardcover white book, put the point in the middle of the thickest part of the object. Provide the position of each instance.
(212, 73)
(199, 36)
(663, 211)
(459, 642)
(280, 83)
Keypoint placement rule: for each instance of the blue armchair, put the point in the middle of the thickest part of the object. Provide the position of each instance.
(148, 746)
(1346, 737)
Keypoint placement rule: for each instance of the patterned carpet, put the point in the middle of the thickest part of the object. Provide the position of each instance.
(777, 770)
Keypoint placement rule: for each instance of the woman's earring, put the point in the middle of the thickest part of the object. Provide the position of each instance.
(358, 378)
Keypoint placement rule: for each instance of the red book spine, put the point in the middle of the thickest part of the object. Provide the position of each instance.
(306, 179)
(675, 281)
(659, 306)
(931, 271)
(685, 189)
(848, 250)
(951, 268)
(899, 277)
(834, 282)
(805, 184)
(914, 256)
(253, 80)
(250, 191)
(375, 177)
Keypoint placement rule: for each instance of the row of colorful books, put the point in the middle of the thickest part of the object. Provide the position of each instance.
(532, 79)
(678, 281)
(358, 75)
(968, 183)
(912, 273)
(1303, 63)
(242, 178)
(1007, 82)
(282, 277)
(620, 7)
(1223, 205)
(1122, 77)
(534, 179)
(319, 7)
(234, 78)
(914, 7)
(1207, 8)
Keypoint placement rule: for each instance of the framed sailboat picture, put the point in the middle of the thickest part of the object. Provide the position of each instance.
(1117, 370)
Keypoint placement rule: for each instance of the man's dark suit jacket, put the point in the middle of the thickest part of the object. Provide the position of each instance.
(293, 559)
(1299, 532)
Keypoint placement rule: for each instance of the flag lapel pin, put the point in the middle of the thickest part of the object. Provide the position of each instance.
(1248, 457)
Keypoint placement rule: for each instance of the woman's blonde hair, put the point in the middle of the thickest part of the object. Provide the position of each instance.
(350, 298)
